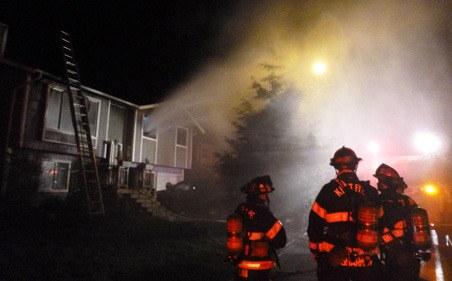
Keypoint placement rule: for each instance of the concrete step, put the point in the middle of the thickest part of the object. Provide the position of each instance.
(148, 203)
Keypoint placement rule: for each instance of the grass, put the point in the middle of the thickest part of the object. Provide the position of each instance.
(61, 246)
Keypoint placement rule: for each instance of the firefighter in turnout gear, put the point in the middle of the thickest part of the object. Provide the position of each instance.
(404, 242)
(254, 233)
(343, 224)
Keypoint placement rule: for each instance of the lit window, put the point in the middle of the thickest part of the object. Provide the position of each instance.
(55, 175)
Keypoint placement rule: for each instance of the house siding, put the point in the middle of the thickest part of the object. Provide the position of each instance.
(30, 143)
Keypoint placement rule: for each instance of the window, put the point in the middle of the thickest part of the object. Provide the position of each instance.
(93, 106)
(149, 130)
(181, 149)
(55, 175)
(117, 123)
(58, 113)
(182, 137)
(123, 176)
(112, 150)
(148, 179)
(148, 182)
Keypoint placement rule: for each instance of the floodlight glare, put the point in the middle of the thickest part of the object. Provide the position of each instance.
(319, 68)
(427, 143)
(373, 146)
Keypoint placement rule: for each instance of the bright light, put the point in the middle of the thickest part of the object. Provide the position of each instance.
(430, 189)
(319, 68)
(427, 143)
(373, 146)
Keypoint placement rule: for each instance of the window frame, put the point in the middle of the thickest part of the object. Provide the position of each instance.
(123, 177)
(151, 137)
(185, 144)
(181, 146)
(149, 179)
(99, 106)
(60, 91)
(42, 181)
(62, 115)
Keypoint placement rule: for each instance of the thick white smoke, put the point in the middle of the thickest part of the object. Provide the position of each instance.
(388, 69)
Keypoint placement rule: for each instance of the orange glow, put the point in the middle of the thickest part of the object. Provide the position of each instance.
(430, 189)
(256, 265)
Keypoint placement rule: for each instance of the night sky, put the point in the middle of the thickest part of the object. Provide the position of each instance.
(136, 50)
(388, 62)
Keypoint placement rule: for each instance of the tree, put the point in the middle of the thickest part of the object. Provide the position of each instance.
(268, 139)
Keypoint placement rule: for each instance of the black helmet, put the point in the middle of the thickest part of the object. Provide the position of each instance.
(259, 185)
(389, 176)
(344, 156)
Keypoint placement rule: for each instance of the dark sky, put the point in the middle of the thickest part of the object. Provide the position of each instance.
(388, 66)
(136, 50)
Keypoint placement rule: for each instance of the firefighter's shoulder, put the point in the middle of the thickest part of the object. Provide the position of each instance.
(329, 188)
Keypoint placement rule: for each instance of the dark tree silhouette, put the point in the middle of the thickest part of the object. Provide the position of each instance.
(267, 140)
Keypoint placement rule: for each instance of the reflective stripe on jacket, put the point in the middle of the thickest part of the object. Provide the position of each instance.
(256, 265)
(270, 234)
(332, 216)
(393, 224)
(264, 233)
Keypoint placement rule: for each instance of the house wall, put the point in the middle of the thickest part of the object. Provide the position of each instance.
(166, 151)
(121, 128)
(111, 125)
(48, 150)
(31, 145)
(203, 172)
(169, 159)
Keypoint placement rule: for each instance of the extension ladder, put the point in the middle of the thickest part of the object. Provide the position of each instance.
(79, 112)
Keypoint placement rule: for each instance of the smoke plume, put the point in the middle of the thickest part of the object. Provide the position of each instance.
(388, 70)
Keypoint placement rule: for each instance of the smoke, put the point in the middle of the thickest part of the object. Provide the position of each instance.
(388, 70)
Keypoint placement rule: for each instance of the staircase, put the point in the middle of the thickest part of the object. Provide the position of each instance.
(78, 104)
(148, 203)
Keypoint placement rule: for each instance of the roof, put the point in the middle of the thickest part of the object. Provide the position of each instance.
(61, 80)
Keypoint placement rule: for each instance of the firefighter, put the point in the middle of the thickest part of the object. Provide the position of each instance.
(400, 254)
(254, 234)
(343, 248)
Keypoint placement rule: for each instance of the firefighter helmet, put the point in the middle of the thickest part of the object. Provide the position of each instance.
(344, 156)
(389, 177)
(259, 185)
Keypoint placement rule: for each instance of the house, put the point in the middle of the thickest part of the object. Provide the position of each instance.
(39, 153)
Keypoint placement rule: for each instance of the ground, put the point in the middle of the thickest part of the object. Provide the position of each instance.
(37, 245)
